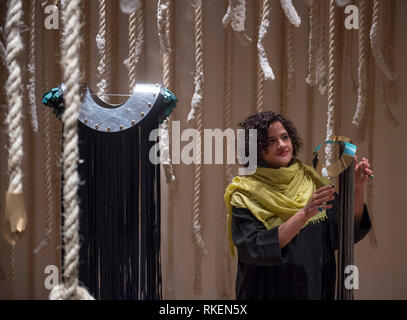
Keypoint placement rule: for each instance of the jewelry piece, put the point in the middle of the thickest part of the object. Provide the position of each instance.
(347, 153)
(320, 209)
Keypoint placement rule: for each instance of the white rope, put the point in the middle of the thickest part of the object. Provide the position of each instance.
(102, 44)
(332, 83)
(290, 12)
(163, 7)
(363, 52)
(136, 44)
(14, 46)
(227, 102)
(31, 69)
(264, 25)
(70, 288)
(313, 42)
(375, 43)
(235, 16)
(196, 111)
(322, 74)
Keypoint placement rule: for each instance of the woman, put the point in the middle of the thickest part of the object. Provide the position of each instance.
(283, 218)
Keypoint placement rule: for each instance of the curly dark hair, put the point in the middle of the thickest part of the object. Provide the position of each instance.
(261, 121)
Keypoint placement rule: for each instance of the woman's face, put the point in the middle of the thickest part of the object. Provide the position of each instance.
(279, 151)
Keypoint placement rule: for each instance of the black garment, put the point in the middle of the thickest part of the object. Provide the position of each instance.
(304, 269)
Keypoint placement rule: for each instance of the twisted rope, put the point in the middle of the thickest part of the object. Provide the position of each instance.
(385, 40)
(313, 42)
(196, 114)
(311, 81)
(103, 45)
(375, 43)
(265, 72)
(227, 98)
(332, 82)
(363, 52)
(283, 64)
(31, 68)
(372, 120)
(85, 56)
(14, 46)
(290, 60)
(322, 75)
(70, 289)
(136, 41)
(235, 16)
(290, 12)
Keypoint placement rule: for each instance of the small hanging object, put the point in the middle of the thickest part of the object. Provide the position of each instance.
(346, 155)
(15, 218)
(236, 17)
(290, 12)
(129, 6)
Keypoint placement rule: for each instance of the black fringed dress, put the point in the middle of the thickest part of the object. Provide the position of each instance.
(120, 194)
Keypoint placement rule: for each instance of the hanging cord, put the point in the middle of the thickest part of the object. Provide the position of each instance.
(165, 20)
(313, 42)
(31, 68)
(196, 114)
(235, 16)
(384, 41)
(104, 50)
(290, 59)
(375, 43)
(70, 288)
(14, 46)
(228, 176)
(311, 82)
(136, 44)
(265, 72)
(389, 47)
(290, 12)
(85, 46)
(363, 51)
(283, 63)
(164, 13)
(371, 114)
(332, 78)
(322, 75)
(47, 159)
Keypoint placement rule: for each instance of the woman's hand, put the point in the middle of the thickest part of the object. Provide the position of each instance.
(362, 172)
(318, 201)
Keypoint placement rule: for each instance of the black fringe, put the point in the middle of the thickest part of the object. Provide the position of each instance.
(120, 213)
(345, 230)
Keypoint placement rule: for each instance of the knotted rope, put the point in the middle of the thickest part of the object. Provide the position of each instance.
(70, 288)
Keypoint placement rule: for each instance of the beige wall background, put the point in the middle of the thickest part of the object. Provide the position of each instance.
(381, 270)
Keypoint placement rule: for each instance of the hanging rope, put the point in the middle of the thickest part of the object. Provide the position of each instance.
(389, 47)
(311, 82)
(47, 159)
(104, 50)
(375, 43)
(363, 51)
(31, 68)
(196, 114)
(283, 64)
(85, 46)
(333, 96)
(165, 21)
(227, 102)
(384, 40)
(313, 42)
(235, 17)
(14, 46)
(70, 288)
(266, 72)
(370, 148)
(322, 75)
(290, 12)
(290, 60)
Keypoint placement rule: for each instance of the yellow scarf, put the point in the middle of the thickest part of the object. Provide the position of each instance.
(274, 195)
